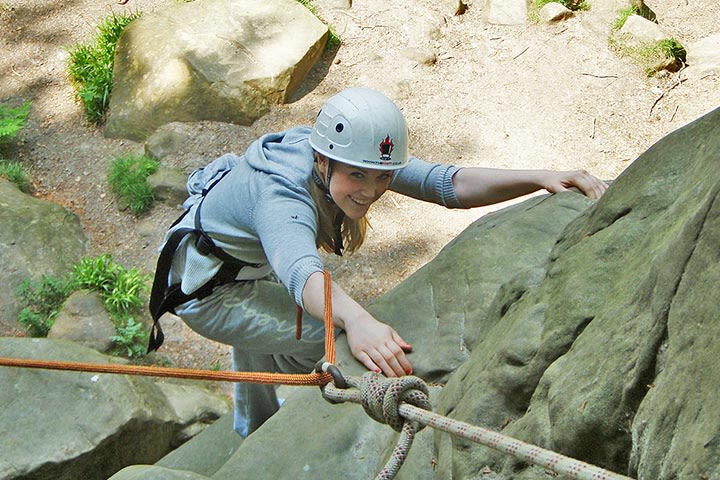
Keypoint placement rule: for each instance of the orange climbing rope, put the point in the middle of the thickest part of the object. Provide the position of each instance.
(319, 378)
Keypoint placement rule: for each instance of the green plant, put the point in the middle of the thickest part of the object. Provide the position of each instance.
(124, 296)
(15, 173)
(672, 49)
(95, 273)
(12, 120)
(128, 180)
(43, 300)
(90, 65)
(131, 338)
(120, 288)
(121, 291)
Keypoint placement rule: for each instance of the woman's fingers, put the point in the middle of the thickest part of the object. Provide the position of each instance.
(589, 185)
(391, 360)
(388, 360)
(406, 347)
(379, 347)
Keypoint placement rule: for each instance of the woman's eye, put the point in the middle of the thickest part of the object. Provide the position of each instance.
(357, 175)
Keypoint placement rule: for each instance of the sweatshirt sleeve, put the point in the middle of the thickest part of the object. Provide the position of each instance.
(286, 224)
(430, 182)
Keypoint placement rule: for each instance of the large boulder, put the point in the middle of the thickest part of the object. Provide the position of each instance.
(224, 60)
(71, 425)
(610, 358)
(37, 238)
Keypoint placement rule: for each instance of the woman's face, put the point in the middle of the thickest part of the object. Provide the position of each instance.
(354, 189)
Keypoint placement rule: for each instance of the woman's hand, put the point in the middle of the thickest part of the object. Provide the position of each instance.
(378, 347)
(589, 185)
(375, 344)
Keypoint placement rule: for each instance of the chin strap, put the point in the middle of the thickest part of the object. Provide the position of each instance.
(321, 185)
(337, 223)
(338, 233)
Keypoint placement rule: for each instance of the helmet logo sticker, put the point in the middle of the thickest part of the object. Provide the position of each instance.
(386, 148)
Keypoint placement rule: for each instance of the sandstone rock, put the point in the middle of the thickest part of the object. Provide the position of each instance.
(206, 452)
(37, 238)
(419, 55)
(641, 30)
(704, 56)
(253, 54)
(455, 7)
(607, 359)
(71, 425)
(84, 320)
(168, 185)
(152, 472)
(554, 12)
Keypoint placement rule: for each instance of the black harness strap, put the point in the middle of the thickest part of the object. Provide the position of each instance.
(165, 298)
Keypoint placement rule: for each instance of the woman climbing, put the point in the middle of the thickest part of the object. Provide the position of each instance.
(254, 224)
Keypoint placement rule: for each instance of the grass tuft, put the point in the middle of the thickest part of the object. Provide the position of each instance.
(90, 65)
(121, 290)
(128, 181)
(15, 173)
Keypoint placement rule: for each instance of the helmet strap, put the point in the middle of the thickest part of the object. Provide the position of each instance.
(323, 186)
(337, 224)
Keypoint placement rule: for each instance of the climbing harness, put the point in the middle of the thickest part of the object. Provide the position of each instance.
(402, 403)
(165, 298)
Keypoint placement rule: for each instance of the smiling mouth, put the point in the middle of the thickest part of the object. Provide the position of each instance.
(362, 204)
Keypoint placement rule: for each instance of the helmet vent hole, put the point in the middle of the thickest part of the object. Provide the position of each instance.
(331, 146)
(339, 127)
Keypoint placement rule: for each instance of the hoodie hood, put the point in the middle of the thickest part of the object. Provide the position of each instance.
(287, 154)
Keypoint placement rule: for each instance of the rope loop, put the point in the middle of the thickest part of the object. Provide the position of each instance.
(381, 396)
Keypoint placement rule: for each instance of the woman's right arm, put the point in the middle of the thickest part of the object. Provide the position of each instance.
(375, 344)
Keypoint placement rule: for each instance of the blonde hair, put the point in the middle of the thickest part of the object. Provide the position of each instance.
(353, 231)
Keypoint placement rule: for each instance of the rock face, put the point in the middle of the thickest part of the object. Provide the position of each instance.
(609, 359)
(72, 425)
(586, 329)
(224, 60)
(37, 238)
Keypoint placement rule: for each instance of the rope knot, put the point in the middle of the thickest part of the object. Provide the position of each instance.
(381, 397)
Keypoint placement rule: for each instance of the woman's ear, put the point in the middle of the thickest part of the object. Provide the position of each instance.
(322, 163)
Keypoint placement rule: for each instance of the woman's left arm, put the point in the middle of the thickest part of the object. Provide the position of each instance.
(476, 187)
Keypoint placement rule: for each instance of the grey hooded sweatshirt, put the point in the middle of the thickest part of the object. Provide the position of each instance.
(262, 211)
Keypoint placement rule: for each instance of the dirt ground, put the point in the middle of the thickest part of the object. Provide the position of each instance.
(528, 96)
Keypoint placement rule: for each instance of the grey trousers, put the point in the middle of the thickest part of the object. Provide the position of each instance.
(256, 318)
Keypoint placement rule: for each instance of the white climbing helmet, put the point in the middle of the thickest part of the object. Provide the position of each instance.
(363, 128)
